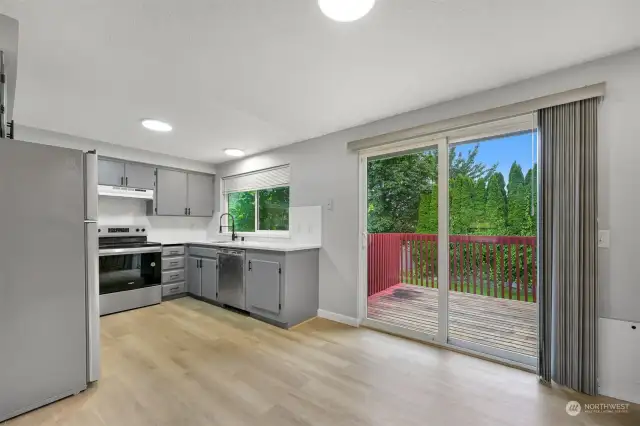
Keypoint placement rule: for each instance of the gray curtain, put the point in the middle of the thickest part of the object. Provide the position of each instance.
(568, 244)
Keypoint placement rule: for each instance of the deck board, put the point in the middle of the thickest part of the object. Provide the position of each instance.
(501, 323)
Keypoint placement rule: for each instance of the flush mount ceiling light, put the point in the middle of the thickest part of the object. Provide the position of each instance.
(232, 152)
(156, 125)
(346, 10)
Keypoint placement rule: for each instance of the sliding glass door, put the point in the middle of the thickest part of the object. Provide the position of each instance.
(402, 240)
(492, 245)
(449, 240)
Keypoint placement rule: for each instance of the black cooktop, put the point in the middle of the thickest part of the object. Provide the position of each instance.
(126, 242)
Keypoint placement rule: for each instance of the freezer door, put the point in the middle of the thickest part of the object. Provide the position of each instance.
(93, 302)
(43, 319)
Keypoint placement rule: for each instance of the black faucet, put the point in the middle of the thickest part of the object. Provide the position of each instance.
(233, 225)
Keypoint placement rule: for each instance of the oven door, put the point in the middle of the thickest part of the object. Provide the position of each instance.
(129, 269)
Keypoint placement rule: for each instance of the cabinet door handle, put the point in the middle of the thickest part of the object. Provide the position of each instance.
(249, 265)
(126, 181)
(176, 288)
(185, 211)
(189, 211)
(174, 277)
(121, 181)
(200, 263)
(174, 263)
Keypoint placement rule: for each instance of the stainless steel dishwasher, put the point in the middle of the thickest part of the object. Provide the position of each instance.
(231, 283)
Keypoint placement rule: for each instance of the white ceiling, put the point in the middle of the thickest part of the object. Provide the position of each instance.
(255, 74)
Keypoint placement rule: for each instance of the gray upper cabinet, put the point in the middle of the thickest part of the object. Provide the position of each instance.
(263, 285)
(140, 176)
(171, 197)
(194, 278)
(200, 195)
(209, 277)
(110, 173)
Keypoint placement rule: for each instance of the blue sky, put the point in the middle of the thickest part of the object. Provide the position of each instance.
(503, 150)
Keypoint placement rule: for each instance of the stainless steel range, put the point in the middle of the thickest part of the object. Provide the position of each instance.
(130, 269)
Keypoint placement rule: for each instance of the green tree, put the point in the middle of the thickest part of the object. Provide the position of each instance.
(531, 196)
(273, 209)
(242, 205)
(461, 205)
(496, 206)
(480, 224)
(428, 213)
(397, 185)
(516, 201)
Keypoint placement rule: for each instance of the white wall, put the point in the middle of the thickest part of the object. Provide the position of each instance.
(46, 137)
(323, 169)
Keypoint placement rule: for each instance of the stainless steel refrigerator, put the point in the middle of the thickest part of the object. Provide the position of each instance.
(49, 313)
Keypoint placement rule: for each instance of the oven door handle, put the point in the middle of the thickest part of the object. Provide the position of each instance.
(138, 250)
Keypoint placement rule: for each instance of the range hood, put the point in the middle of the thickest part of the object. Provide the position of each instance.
(124, 192)
(8, 73)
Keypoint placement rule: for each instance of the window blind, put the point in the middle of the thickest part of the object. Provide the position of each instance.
(261, 179)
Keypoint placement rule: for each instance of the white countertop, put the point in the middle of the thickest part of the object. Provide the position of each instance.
(255, 245)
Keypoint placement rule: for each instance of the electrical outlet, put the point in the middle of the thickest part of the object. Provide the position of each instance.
(330, 204)
(603, 238)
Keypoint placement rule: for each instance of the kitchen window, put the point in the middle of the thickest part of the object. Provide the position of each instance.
(259, 201)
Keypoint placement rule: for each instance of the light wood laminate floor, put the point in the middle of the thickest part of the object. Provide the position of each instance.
(188, 363)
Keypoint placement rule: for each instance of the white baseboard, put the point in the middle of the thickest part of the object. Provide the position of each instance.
(332, 316)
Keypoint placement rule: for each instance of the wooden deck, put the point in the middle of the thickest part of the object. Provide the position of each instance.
(500, 323)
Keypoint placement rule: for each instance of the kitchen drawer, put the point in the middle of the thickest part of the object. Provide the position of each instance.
(172, 263)
(203, 252)
(173, 250)
(171, 289)
(172, 276)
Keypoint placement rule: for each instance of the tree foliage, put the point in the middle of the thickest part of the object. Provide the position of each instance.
(403, 196)
(516, 201)
(496, 206)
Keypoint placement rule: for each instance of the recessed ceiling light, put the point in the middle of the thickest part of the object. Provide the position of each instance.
(232, 152)
(156, 125)
(346, 10)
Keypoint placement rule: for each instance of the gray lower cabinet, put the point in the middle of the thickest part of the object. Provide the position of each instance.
(171, 196)
(110, 173)
(173, 283)
(200, 195)
(194, 277)
(139, 176)
(282, 287)
(263, 284)
(209, 278)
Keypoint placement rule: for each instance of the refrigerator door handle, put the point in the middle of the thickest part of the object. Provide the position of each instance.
(91, 186)
(93, 301)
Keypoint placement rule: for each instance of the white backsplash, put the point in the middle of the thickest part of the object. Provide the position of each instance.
(305, 223)
(164, 229)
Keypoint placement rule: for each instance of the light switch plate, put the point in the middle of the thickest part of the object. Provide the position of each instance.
(330, 204)
(603, 238)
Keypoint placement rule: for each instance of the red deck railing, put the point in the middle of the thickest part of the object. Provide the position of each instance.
(497, 266)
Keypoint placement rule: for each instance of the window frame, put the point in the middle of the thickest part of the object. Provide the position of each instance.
(258, 232)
